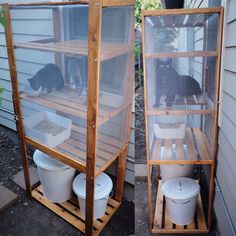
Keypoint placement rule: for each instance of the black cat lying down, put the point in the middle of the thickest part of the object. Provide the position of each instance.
(170, 83)
(48, 77)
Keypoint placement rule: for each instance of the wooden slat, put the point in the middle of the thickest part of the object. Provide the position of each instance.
(47, 3)
(101, 137)
(168, 223)
(167, 153)
(202, 147)
(159, 208)
(67, 159)
(110, 3)
(190, 145)
(179, 149)
(184, 11)
(200, 214)
(182, 54)
(70, 211)
(179, 112)
(59, 211)
(77, 47)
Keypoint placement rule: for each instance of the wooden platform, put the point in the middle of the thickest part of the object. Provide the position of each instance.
(70, 211)
(78, 47)
(191, 150)
(162, 224)
(66, 101)
(74, 149)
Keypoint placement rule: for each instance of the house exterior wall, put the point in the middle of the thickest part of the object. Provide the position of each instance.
(225, 193)
(22, 24)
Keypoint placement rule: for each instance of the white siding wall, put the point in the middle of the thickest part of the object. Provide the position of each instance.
(225, 194)
(29, 27)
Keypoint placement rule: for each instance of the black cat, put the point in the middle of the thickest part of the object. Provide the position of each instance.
(48, 77)
(170, 83)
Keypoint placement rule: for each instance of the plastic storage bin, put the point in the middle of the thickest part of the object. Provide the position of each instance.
(181, 199)
(56, 177)
(102, 191)
(48, 128)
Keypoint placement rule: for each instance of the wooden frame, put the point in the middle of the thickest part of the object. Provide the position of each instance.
(91, 159)
(195, 140)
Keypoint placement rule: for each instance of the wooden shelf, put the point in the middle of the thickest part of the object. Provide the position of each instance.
(182, 54)
(66, 101)
(74, 149)
(191, 150)
(188, 102)
(78, 47)
(163, 225)
(70, 211)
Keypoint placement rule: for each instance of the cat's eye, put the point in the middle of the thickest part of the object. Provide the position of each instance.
(161, 66)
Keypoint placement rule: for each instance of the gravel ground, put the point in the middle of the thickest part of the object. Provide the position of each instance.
(27, 217)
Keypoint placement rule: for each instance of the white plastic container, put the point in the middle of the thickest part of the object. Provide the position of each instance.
(56, 177)
(170, 127)
(102, 191)
(181, 199)
(48, 139)
(174, 171)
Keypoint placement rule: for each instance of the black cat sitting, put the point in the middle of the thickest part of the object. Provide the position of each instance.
(170, 83)
(48, 77)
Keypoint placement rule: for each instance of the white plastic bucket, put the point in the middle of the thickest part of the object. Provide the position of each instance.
(181, 199)
(102, 191)
(56, 177)
(174, 171)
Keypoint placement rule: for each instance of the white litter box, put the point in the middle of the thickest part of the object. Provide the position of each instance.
(170, 127)
(48, 128)
(181, 199)
(102, 191)
(55, 177)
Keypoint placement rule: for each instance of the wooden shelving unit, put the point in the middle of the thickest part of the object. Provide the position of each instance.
(87, 149)
(194, 148)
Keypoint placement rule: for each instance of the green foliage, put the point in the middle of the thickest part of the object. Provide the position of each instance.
(2, 18)
(144, 5)
(1, 91)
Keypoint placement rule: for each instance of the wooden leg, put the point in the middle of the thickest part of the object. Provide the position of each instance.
(15, 95)
(25, 168)
(120, 179)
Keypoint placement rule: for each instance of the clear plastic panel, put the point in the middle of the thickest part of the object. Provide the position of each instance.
(116, 78)
(51, 59)
(180, 137)
(180, 33)
(180, 83)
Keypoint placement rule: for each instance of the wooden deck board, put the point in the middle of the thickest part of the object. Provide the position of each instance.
(70, 211)
(180, 157)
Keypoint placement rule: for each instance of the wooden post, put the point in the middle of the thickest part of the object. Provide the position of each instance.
(215, 128)
(16, 96)
(94, 37)
(120, 179)
(146, 129)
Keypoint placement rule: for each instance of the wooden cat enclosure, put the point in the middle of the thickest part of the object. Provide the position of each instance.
(181, 55)
(91, 45)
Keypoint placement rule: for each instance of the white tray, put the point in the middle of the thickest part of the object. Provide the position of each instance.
(61, 123)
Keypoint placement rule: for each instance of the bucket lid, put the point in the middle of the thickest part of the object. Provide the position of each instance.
(103, 186)
(46, 162)
(180, 188)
